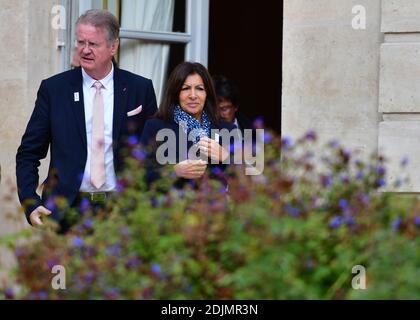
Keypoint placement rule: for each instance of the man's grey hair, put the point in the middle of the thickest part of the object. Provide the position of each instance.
(101, 19)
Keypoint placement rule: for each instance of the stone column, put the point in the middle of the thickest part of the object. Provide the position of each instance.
(399, 99)
(331, 71)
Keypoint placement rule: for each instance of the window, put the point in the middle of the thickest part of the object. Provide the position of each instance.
(155, 35)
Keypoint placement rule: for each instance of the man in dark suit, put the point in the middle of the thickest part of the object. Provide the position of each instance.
(84, 117)
(228, 103)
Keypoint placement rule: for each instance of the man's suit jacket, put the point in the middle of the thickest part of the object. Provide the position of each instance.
(58, 123)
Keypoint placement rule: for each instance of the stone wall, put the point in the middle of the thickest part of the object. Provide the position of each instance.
(331, 71)
(360, 86)
(399, 99)
(28, 54)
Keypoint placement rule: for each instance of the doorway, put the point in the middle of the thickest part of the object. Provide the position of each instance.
(245, 45)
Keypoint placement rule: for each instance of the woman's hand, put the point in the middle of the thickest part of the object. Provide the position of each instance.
(212, 149)
(190, 169)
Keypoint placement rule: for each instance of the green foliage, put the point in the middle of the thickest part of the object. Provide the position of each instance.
(294, 232)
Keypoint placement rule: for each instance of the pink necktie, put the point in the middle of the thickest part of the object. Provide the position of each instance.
(97, 162)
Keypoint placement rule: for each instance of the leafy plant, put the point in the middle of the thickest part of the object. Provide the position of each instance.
(294, 232)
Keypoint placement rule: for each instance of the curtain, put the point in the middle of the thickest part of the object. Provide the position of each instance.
(146, 58)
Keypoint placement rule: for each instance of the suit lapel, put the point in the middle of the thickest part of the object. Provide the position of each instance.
(76, 85)
(120, 104)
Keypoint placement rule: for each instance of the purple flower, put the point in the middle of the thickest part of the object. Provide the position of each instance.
(216, 170)
(133, 263)
(267, 137)
(77, 242)
(156, 268)
(334, 144)
(112, 293)
(326, 181)
(113, 250)
(404, 161)
(345, 178)
(258, 123)
(132, 140)
(223, 190)
(336, 221)
(154, 202)
(396, 223)
(343, 204)
(84, 205)
(380, 170)
(79, 284)
(51, 203)
(398, 183)
(350, 220)
(363, 198)
(52, 262)
(345, 154)
(88, 277)
(417, 221)
(125, 231)
(8, 293)
(19, 252)
(139, 154)
(42, 294)
(359, 163)
(147, 293)
(293, 211)
(88, 223)
(90, 251)
(380, 182)
(310, 135)
(120, 186)
(360, 175)
(286, 143)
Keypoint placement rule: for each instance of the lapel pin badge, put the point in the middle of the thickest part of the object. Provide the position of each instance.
(76, 97)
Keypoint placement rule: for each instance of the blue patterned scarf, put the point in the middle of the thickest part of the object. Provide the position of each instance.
(189, 123)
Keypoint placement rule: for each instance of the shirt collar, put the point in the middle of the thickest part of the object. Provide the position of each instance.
(89, 81)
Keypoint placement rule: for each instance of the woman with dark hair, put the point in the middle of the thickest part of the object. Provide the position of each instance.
(186, 117)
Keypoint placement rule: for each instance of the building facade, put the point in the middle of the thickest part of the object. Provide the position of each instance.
(38, 41)
(351, 72)
(155, 35)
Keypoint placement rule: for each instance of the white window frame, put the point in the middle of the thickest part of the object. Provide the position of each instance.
(195, 38)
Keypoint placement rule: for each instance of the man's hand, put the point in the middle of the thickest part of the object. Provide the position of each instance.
(36, 215)
(212, 149)
(190, 169)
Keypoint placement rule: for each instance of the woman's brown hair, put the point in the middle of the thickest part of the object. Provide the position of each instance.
(173, 88)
